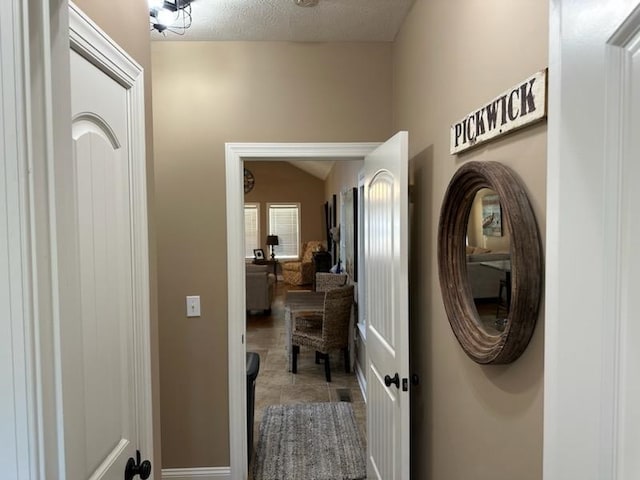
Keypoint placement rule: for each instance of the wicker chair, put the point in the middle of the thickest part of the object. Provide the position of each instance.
(301, 272)
(333, 332)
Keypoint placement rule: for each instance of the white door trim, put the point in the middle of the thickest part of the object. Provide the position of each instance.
(89, 41)
(236, 154)
(587, 330)
(619, 335)
(21, 402)
(28, 264)
(198, 473)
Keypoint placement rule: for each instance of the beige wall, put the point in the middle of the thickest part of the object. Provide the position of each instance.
(343, 175)
(127, 23)
(468, 421)
(283, 182)
(206, 94)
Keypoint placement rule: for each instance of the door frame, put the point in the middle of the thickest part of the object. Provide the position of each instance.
(34, 55)
(25, 342)
(235, 155)
(587, 362)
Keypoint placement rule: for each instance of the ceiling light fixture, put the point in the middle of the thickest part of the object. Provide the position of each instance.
(306, 3)
(170, 15)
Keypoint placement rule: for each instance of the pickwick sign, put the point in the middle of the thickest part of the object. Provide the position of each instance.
(519, 106)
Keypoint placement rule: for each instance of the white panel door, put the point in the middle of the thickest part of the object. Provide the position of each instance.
(105, 385)
(386, 279)
(103, 423)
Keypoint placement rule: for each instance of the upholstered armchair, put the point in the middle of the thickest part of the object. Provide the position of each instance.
(301, 272)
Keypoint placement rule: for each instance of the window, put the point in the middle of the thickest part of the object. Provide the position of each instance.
(284, 221)
(251, 228)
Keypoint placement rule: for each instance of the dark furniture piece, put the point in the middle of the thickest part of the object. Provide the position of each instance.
(253, 366)
(321, 263)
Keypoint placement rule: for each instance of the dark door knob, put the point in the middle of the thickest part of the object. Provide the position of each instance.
(135, 467)
(390, 380)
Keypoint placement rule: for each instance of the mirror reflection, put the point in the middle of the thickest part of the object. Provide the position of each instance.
(489, 261)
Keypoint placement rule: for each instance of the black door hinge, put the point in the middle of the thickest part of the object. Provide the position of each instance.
(415, 380)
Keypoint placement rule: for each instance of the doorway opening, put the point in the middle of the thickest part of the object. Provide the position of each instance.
(236, 155)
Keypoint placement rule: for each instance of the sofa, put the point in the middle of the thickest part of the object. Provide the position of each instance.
(484, 280)
(260, 286)
(301, 272)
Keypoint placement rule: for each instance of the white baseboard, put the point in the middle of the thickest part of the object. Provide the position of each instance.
(362, 381)
(200, 473)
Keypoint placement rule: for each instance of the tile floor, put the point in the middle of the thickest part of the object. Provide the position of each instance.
(274, 385)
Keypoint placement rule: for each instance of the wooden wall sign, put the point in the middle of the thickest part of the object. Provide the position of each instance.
(519, 106)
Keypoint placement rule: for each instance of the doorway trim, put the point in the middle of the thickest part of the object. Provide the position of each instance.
(22, 342)
(235, 155)
(591, 336)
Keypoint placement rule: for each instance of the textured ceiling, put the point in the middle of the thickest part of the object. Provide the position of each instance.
(282, 20)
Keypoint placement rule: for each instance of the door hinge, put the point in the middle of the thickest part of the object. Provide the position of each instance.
(415, 380)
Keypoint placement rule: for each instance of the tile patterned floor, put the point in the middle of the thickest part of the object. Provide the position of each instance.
(274, 385)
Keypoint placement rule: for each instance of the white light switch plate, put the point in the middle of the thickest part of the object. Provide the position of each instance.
(193, 306)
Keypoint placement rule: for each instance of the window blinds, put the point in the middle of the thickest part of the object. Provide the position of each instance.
(284, 221)
(251, 229)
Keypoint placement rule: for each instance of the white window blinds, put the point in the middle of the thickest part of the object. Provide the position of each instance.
(284, 221)
(251, 228)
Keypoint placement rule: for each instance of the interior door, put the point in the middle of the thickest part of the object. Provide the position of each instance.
(105, 385)
(387, 305)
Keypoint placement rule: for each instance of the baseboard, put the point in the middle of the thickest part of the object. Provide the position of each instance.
(200, 473)
(362, 381)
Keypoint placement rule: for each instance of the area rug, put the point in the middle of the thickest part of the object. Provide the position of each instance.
(311, 441)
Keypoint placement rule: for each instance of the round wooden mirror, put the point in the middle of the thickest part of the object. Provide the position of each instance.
(519, 269)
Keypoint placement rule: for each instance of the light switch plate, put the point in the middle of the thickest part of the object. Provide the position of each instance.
(193, 306)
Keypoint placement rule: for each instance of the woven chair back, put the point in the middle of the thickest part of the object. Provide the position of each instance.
(337, 314)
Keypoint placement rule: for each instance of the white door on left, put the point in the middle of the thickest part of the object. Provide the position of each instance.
(105, 384)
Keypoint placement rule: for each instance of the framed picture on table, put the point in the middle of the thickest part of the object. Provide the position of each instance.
(258, 254)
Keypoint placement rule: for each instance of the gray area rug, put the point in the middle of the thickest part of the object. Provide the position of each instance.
(311, 441)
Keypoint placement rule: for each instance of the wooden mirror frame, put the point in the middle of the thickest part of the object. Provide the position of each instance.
(526, 263)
